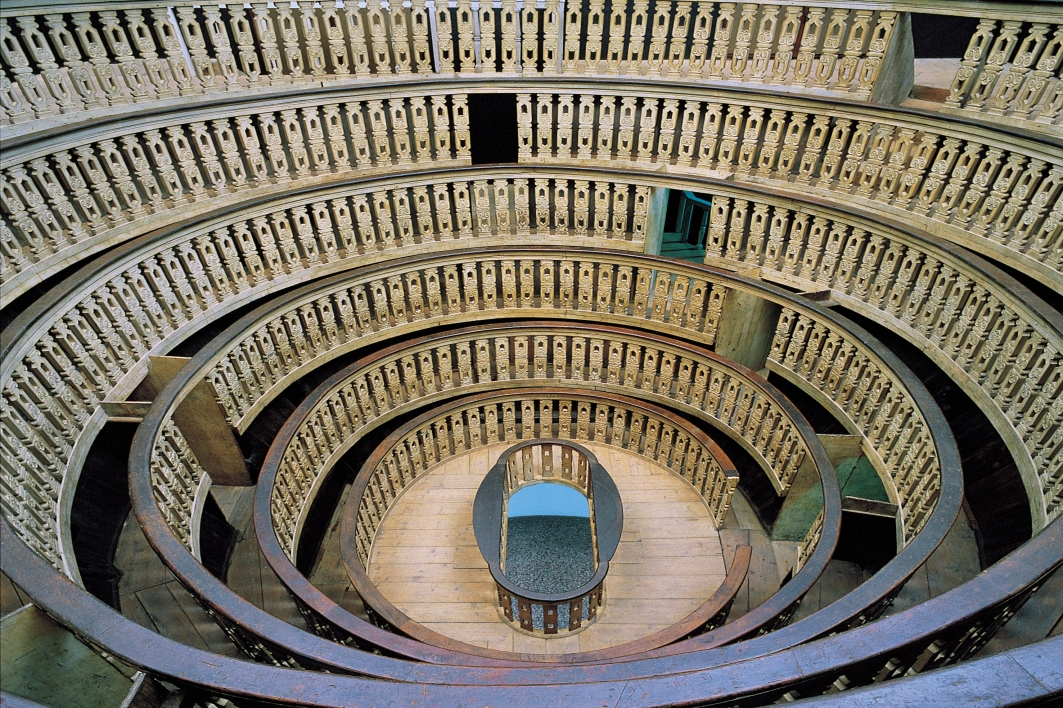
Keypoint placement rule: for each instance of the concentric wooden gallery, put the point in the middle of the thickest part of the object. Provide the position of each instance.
(531, 353)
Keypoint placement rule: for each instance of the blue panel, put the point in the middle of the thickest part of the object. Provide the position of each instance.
(548, 499)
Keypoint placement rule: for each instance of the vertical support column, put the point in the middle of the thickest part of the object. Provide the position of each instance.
(655, 212)
(747, 326)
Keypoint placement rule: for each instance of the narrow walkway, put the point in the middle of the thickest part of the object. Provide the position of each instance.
(152, 597)
(426, 561)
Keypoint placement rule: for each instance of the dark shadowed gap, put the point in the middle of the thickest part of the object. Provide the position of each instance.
(992, 486)
(941, 36)
(217, 539)
(99, 510)
(493, 128)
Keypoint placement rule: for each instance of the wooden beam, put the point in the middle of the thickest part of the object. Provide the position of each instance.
(201, 420)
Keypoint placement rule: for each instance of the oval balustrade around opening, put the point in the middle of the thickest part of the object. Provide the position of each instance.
(923, 547)
(557, 462)
(396, 464)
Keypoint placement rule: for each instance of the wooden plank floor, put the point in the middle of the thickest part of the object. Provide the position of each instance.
(153, 598)
(425, 559)
(249, 573)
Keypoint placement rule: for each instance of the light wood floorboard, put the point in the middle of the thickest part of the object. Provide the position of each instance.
(425, 559)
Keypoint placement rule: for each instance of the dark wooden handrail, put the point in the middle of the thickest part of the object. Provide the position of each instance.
(719, 676)
(316, 602)
(839, 615)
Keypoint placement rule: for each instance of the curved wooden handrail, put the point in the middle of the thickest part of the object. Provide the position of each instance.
(841, 613)
(283, 566)
(714, 677)
(375, 600)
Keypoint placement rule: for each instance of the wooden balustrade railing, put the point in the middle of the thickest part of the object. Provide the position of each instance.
(969, 320)
(201, 585)
(83, 56)
(997, 194)
(871, 401)
(641, 430)
(858, 607)
(724, 394)
(1010, 73)
(72, 58)
(416, 446)
(93, 343)
(68, 203)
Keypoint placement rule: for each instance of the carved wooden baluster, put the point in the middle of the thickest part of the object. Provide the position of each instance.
(531, 33)
(750, 141)
(871, 65)
(1037, 83)
(971, 66)
(441, 136)
(710, 131)
(701, 28)
(832, 40)
(641, 214)
(795, 246)
(580, 207)
(688, 135)
(541, 193)
(510, 19)
(1027, 54)
(659, 26)
(765, 40)
(37, 45)
(614, 49)
(466, 59)
(565, 118)
(398, 19)
(551, 37)
(400, 130)
(856, 41)
(189, 25)
(218, 34)
(986, 174)
(77, 70)
(561, 202)
(784, 52)
(999, 54)
(356, 21)
(108, 78)
(266, 34)
(744, 28)
(721, 41)
(677, 45)
(488, 50)
(585, 131)
(638, 26)
(596, 19)
(570, 52)
(666, 138)
(460, 120)
(647, 136)
(963, 169)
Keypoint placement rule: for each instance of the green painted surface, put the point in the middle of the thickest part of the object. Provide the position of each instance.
(861, 480)
(44, 662)
(856, 478)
